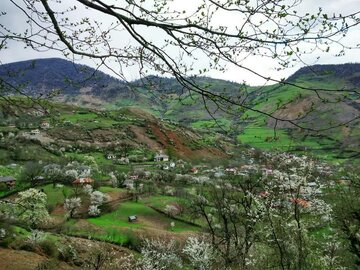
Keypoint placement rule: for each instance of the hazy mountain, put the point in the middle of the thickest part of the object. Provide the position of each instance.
(42, 76)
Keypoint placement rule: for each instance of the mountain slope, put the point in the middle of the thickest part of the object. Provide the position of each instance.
(167, 99)
(75, 132)
(311, 109)
(44, 76)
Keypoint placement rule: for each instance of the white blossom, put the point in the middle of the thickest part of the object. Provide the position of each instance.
(158, 254)
(98, 198)
(31, 207)
(88, 189)
(94, 211)
(200, 253)
(72, 206)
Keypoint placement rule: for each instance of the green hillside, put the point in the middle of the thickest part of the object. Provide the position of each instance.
(166, 99)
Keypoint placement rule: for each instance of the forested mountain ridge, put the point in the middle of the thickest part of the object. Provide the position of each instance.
(349, 71)
(41, 76)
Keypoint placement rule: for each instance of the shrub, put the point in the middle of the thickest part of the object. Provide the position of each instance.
(6, 236)
(67, 253)
(134, 242)
(96, 184)
(200, 253)
(159, 254)
(50, 208)
(50, 264)
(23, 244)
(94, 211)
(5, 242)
(49, 248)
(72, 205)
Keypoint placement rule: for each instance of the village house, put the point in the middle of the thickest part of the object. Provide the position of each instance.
(37, 113)
(161, 157)
(44, 125)
(301, 202)
(83, 181)
(110, 156)
(9, 181)
(84, 170)
(231, 170)
(133, 176)
(34, 132)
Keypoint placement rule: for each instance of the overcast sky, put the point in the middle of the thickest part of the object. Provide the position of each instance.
(15, 20)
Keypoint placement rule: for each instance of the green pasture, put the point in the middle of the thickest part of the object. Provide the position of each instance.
(119, 218)
(56, 195)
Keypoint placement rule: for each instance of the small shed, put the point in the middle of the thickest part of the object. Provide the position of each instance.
(132, 218)
(83, 181)
(8, 180)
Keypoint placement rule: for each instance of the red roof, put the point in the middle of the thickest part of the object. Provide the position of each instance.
(83, 181)
(300, 202)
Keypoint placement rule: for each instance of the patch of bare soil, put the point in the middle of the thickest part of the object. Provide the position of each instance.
(82, 245)
(86, 226)
(57, 216)
(107, 135)
(116, 196)
(159, 134)
(24, 260)
(85, 99)
(292, 110)
(141, 114)
(153, 222)
(88, 248)
(157, 228)
(154, 233)
(69, 134)
(170, 137)
(58, 210)
(142, 137)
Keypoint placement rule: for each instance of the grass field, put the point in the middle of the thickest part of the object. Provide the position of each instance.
(89, 120)
(161, 201)
(222, 123)
(113, 235)
(111, 189)
(56, 195)
(147, 217)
